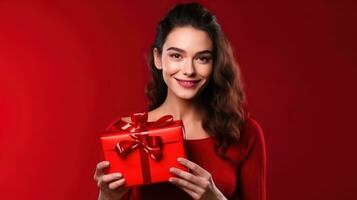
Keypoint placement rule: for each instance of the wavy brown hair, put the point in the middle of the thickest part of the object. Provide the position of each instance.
(223, 96)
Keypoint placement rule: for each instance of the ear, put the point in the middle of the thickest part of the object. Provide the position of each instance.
(157, 58)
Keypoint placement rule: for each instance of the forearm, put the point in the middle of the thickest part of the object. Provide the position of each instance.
(123, 196)
(103, 196)
(221, 196)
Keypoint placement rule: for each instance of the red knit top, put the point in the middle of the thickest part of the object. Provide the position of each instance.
(243, 178)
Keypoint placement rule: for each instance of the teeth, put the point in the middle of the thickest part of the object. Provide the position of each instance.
(188, 83)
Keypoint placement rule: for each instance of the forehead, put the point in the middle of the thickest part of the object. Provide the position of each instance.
(189, 39)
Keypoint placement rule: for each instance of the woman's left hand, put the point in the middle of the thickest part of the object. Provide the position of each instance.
(198, 184)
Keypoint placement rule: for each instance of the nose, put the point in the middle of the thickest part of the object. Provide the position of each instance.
(188, 68)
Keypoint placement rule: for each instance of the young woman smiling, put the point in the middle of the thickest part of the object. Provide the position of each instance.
(195, 79)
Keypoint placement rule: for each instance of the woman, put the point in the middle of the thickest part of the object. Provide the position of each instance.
(195, 79)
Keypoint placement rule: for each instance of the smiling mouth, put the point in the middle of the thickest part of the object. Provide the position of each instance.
(187, 83)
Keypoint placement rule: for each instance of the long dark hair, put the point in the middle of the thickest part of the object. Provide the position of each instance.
(223, 96)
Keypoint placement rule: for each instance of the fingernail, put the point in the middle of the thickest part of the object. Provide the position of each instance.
(107, 163)
(171, 179)
(118, 174)
(179, 159)
(171, 169)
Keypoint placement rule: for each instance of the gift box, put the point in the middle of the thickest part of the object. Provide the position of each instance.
(144, 151)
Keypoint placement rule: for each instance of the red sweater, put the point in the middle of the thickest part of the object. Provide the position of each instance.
(242, 179)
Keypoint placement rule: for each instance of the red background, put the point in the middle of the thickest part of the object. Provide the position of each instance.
(68, 68)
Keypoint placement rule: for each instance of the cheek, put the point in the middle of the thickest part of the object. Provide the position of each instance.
(168, 70)
(206, 71)
(170, 67)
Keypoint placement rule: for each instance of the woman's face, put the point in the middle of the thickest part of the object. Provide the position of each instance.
(186, 61)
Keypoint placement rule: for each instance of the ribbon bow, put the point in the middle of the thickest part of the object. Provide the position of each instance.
(139, 122)
(151, 144)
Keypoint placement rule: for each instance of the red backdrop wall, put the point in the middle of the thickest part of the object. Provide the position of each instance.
(68, 68)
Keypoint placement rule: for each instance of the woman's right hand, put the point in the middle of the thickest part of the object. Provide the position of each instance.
(111, 185)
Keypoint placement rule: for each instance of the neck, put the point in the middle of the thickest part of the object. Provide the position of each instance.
(181, 109)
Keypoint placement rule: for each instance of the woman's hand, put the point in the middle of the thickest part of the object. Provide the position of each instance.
(111, 185)
(198, 184)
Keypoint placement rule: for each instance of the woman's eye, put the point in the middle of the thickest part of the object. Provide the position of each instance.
(175, 56)
(204, 59)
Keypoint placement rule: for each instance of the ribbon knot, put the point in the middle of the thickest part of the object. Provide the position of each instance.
(151, 144)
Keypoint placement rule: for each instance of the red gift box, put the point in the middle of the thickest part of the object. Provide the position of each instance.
(144, 151)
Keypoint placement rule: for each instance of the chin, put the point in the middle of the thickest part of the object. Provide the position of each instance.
(186, 95)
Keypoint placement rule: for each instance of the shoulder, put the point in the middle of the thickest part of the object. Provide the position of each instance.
(252, 129)
(252, 134)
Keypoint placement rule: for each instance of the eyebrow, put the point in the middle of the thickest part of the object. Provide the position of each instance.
(183, 51)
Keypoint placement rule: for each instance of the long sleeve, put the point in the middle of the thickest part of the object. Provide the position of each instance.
(252, 171)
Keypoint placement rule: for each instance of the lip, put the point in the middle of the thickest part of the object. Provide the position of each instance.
(187, 83)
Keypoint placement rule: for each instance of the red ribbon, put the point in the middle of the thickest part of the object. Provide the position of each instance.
(139, 123)
(150, 145)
